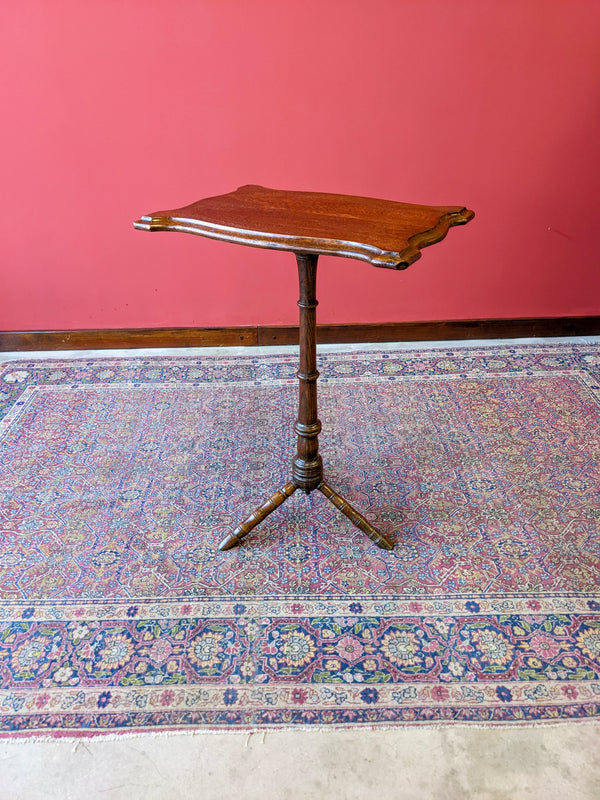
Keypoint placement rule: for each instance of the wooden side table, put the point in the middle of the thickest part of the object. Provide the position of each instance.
(384, 233)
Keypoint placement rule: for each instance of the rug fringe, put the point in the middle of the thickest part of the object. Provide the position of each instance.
(249, 733)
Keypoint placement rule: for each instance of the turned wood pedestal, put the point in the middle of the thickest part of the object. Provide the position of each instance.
(384, 233)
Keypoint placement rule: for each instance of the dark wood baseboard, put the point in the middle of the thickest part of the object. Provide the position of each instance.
(118, 339)
(444, 330)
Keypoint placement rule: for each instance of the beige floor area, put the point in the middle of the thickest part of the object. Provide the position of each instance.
(549, 762)
(552, 762)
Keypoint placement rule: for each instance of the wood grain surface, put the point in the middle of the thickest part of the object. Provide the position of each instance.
(384, 233)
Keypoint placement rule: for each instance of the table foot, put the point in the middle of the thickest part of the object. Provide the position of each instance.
(236, 536)
(353, 515)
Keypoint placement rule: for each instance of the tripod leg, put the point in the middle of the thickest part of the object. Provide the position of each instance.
(236, 536)
(353, 515)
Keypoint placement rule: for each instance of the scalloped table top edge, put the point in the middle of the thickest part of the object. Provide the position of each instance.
(383, 233)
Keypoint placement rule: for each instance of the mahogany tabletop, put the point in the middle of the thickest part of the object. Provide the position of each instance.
(384, 233)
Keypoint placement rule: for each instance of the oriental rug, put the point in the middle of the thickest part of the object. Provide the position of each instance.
(120, 476)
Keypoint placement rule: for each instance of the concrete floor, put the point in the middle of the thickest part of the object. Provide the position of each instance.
(549, 762)
(552, 762)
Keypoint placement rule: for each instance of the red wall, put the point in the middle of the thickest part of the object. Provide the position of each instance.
(114, 109)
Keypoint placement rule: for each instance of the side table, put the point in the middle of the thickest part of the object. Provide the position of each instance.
(310, 224)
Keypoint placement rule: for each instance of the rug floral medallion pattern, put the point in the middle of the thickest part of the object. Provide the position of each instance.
(119, 477)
